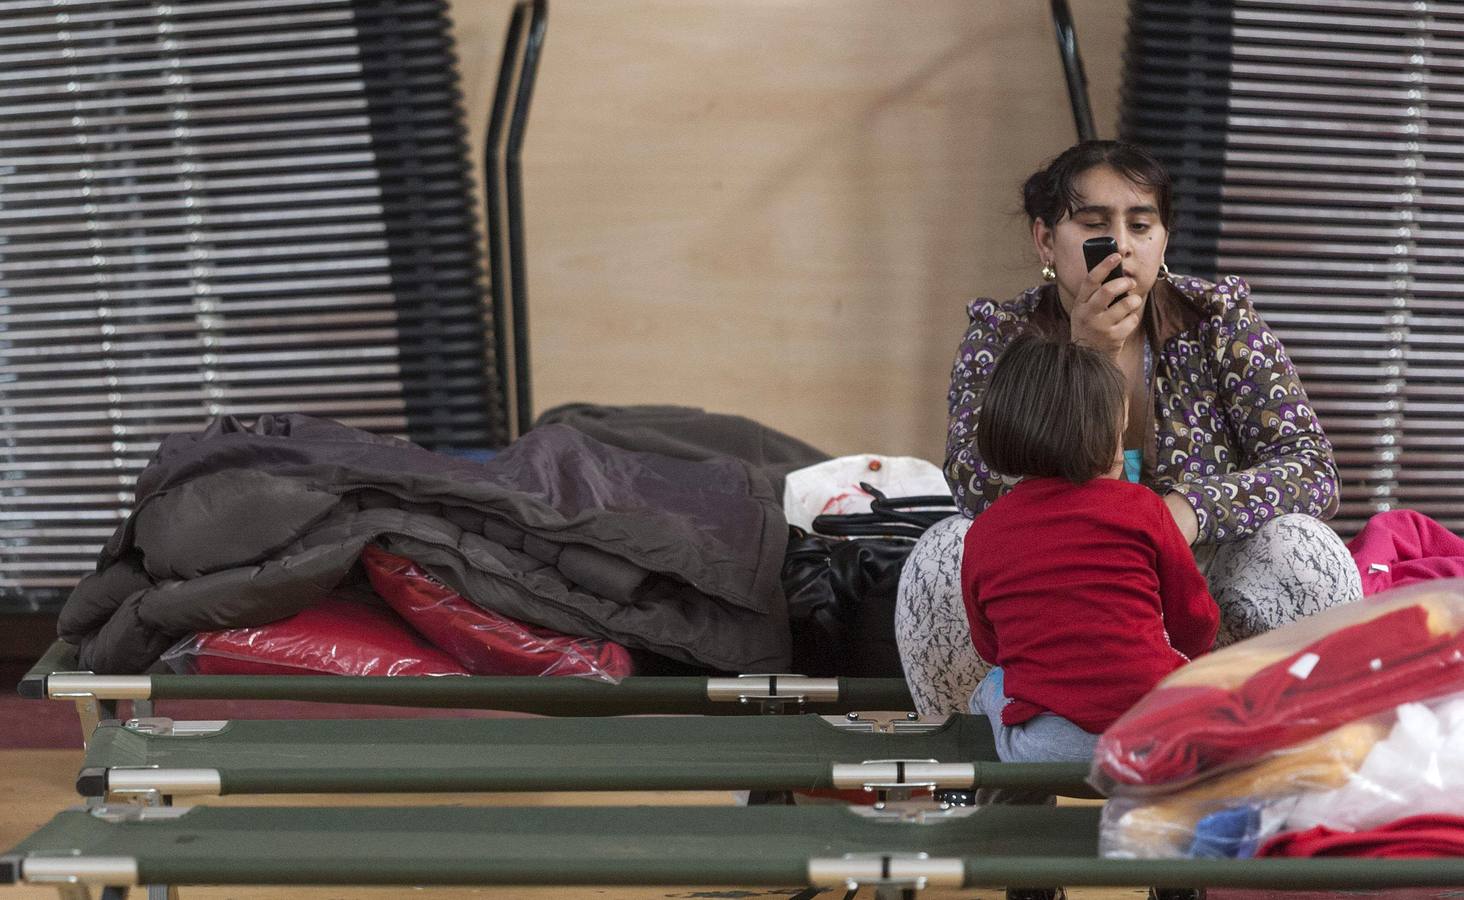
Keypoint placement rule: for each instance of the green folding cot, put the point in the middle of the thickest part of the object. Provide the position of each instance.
(160, 757)
(763, 846)
(55, 677)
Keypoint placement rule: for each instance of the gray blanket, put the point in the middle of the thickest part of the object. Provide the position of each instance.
(238, 526)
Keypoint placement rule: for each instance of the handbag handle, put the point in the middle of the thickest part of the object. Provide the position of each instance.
(906, 517)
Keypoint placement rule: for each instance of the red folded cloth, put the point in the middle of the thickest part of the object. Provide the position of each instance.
(331, 637)
(1176, 734)
(484, 642)
(1401, 547)
(1414, 836)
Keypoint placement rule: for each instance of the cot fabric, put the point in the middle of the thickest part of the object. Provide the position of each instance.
(765, 845)
(769, 845)
(640, 753)
(636, 695)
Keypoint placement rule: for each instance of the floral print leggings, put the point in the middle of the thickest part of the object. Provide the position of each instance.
(1292, 567)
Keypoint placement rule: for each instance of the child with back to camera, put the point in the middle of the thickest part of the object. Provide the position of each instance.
(1078, 584)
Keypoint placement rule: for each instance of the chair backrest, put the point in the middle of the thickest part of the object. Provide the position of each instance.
(1314, 155)
(223, 209)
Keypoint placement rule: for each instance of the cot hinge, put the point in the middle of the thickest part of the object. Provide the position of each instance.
(164, 726)
(900, 778)
(887, 722)
(774, 693)
(89, 690)
(899, 871)
(126, 812)
(922, 810)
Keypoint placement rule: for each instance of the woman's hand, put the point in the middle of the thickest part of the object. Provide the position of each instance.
(1097, 320)
(1184, 516)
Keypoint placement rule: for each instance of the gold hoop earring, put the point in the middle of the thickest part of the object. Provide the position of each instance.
(1048, 272)
(1164, 271)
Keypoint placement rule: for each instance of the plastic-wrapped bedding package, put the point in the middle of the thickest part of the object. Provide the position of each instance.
(486, 643)
(334, 636)
(425, 628)
(1349, 720)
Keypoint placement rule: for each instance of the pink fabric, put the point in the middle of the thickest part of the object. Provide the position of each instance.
(1409, 547)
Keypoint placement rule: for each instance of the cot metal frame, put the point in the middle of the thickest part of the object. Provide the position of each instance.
(55, 677)
(159, 758)
(817, 847)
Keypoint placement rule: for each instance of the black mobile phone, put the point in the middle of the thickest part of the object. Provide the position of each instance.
(1097, 249)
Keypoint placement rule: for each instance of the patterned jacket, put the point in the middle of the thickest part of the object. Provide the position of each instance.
(1233, 430)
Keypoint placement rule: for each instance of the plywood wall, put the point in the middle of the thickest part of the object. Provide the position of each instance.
(779, 207)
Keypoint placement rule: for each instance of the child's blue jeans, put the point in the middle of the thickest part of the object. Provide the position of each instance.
(1047, 737)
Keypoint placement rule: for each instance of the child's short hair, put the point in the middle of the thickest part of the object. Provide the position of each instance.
(1052, 408)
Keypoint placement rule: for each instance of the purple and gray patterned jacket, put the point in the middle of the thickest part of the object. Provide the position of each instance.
(1233, 430)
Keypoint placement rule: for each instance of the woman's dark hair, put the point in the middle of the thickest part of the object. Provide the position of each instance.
(1051, 193)
(1052, 408)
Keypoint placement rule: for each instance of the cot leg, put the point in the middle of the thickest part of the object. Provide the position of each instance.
(770, 798)
(892, 892)
(89, 712)
(810, 893)
(114, 893)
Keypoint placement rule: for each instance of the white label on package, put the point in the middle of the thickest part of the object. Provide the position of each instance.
(1304, 665)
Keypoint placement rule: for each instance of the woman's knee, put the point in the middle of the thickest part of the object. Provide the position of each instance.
(1292, 567)
(931, 576)
(941, 665)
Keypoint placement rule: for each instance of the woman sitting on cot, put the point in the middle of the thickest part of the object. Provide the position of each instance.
(1219, 429)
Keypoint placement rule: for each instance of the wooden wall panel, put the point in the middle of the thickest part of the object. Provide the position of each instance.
(779, 208)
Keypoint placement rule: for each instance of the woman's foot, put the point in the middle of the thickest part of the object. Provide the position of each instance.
(1035, 894)
(1176, 894)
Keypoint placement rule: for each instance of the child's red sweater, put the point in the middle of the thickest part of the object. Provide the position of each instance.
(1086, 596)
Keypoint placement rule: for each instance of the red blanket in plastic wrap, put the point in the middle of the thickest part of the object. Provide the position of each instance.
(332, 637)
(1178, 733)
(484, 642)
(1412, 837)
(429, 630)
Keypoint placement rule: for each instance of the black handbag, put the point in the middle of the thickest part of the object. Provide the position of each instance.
(841, 580)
